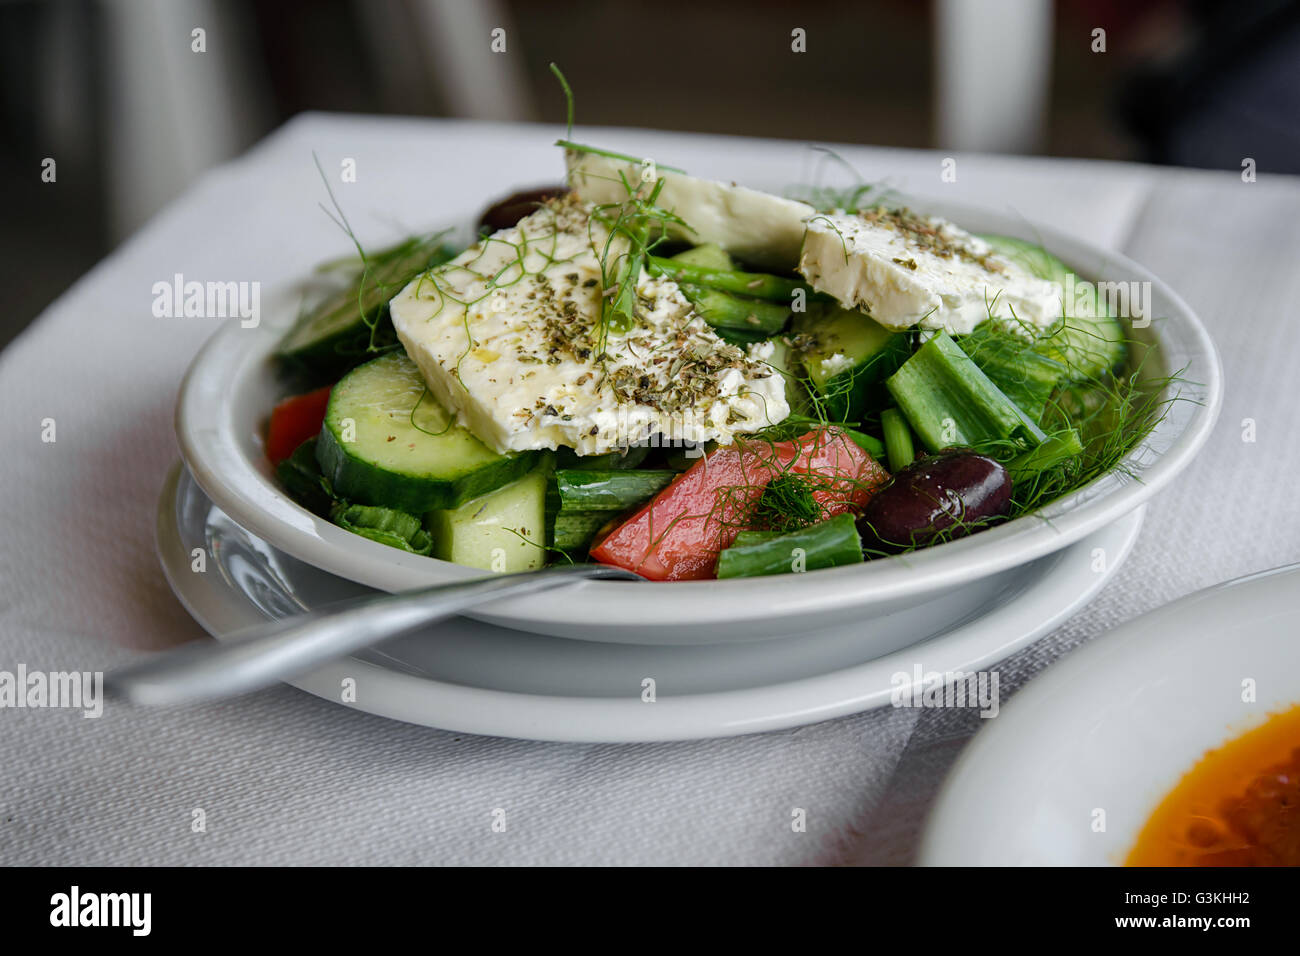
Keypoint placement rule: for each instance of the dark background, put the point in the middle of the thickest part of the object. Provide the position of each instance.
(113, 90)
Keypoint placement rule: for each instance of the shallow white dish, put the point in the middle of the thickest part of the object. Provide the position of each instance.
(1115, 726)
(233, 383)
(473, 677)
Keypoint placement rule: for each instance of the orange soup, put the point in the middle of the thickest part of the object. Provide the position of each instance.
(1239, 806)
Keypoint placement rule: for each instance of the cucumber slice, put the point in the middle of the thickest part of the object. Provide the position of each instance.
(1088, 341)
(844, 354)
(386, 441)
(1034, 258)
(336, 333)
(501, 531)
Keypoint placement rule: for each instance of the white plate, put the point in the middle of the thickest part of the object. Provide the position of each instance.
(233, 383)
(473, 677)
(1115, 726)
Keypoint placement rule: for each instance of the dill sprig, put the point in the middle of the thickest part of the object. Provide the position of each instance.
(858, 195)
(787, 504)
(568, 99)
(370, 269)
(635, 226)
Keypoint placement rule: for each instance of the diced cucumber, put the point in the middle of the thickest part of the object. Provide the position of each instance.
(397, 529)
(501, 531)
(1030, 256)
(844, 353)
(707, 256)
(386, 441)
(336, 333)
(826, 544)
(1088, 341)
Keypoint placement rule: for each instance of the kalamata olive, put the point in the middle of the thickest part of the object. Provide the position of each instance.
(507, 212)
(935, 498)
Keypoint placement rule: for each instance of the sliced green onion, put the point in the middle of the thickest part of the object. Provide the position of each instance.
(949, 401)
(1025, 376)
(725, 311)
(1054, 450)
(826, 544)
(898, 439)
(755, 285)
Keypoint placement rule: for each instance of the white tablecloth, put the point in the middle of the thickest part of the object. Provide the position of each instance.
(286, 778)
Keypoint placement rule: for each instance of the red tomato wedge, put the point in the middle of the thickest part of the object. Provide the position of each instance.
(295, 420)
(678, 534)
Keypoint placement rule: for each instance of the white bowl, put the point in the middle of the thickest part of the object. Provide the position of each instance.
(233, 383)
(1114, 726)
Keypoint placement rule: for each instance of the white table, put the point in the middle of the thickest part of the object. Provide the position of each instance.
(287, 778)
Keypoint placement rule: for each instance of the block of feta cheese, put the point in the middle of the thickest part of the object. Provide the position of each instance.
(904, 270)
(759, 228)
(509, 335)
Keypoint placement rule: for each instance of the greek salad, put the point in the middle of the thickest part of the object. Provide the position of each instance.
(693, 379)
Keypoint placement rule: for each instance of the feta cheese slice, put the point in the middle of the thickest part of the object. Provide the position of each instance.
(907, 270)
(509, 335)
(757, 227)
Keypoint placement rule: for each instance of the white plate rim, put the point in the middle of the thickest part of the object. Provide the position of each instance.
(210, 444)
(491, 712)
(956, 814)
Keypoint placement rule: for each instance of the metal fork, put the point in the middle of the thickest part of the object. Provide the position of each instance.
(255, 657)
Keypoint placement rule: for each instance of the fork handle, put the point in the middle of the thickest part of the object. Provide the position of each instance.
(257, 656)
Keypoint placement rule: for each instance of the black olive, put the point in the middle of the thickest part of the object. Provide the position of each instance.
(507, 212)
(936, 498)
